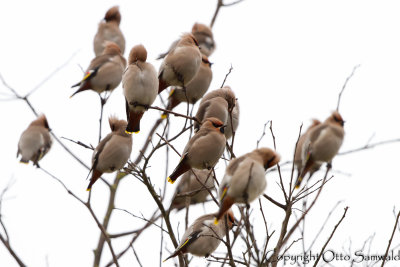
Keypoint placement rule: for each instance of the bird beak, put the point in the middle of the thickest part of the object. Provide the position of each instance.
(222, 129)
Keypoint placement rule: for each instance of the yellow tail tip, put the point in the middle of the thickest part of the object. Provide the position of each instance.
(170, 180)
(164, 116)
(136, 132)
(216, 221)
(127, 132)
(26, 163)
(164, 260)
(88, 189)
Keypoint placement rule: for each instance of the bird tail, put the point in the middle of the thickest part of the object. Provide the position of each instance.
(134, 122)
(182, 167)
(172, 103)
(84, 86)
(95, 176)
(172, 255)
(307, 167)
(225, 205)
(25, 161)
(161, 85)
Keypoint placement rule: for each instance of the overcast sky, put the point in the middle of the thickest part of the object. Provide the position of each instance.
(290, 60)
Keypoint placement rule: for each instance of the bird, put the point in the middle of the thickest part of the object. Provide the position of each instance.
(203, 150)
(35, 141)
(244, 178)
(109, 30)
(195, 89)
(202, 237)
(220, 103)
(299, 149)
(104, 72)
(112, 152)
(204, 37)
(140, 84)
(193, 183)
(181, 64)
(322, 144)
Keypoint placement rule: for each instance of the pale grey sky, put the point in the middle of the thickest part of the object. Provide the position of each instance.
(290, 60)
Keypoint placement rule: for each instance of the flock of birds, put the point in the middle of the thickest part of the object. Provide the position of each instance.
(185, 67)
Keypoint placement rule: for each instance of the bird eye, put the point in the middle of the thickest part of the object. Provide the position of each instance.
(195, 41)
(267, 165)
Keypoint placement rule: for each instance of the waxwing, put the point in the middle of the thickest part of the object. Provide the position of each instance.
(204, 37)
(244, 178)
(299, 150)
(203, 237)
(195, 89)
(104, 72)
(112, 152)
(181, 64)
(35, 141)
(193, 183)
(109, 30)
(140, 85)
(203, 150)
(219, 104)
(322, 143)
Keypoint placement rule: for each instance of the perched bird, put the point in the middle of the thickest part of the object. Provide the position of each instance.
(140, 85)
(203, 150)
(202, 237)
(195, 89)
(193, 183)
(181, 63)
(35, 141)
(109, 31)
(322, 144)
(204, 37)
(104, 72)
(244, 178)
(299, 150)
(219, 104)
(112, 152)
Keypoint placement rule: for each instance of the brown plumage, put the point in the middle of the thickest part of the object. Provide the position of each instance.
(298, 154)
(205, 38)
(140, 85)
(112, 152)
(322, 143)
(35, 141)
(192, 182)
(203, 150)
(195, 89)
(244, 178)
(202, 237)
(181, 63)
(109, 30)
(104, 72)
(219, 104)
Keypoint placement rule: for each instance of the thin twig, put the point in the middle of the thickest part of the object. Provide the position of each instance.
(226, 76)
(344, 85)
(330, 237)
(390, 240)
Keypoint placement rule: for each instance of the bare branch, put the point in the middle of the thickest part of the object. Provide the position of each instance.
(220, 3)
(369, 146)
(330, 237)
(78, 143)
(344, 85)
(226, 76)
(263, 134)
(390, 240)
